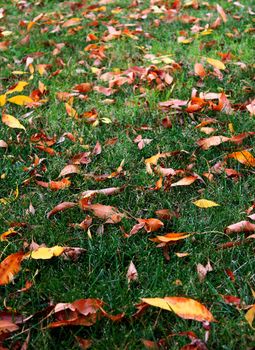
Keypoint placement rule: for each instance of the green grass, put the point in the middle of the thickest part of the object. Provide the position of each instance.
(101, 271)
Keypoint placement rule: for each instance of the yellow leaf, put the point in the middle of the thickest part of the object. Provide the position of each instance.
(2, 100)
(205, 203)
(46, 253)
(12, 122)
(20, 100)
(215, 63)
(184, 307)
(18, 72)
(249, 316)
(17, 88)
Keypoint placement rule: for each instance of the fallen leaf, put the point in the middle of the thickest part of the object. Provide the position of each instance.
(7, 327)
(205, 203)
(216, 63)
(9, 267)
(243, 157)
(186, 181)
(202, 270)
(17, 87)
(151, 225)
(249, 316)
(69, 169)
(184, 307)
(61, 207)
(212, 141)
(231, 299)
(242, 226)
(46, 253)
(12, 122)
(20, 100)
(7, 233)
(132, 274)
(170, 237)
(199, 70)
(83, 343)
(105, 212)
(221, 13)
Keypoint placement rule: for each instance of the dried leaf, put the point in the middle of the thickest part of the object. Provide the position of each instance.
(242, 226)
(205, 203)
(249, 316)
(184, 307)
(84, 343)
(202, 270)
(9, 267)
(132, 274)
(12, 122)
(69, 169)
(151, 224)
(216, 63)
(212, 141)
(61, 207)
(186, 181)
(243, 157)
(170, 237)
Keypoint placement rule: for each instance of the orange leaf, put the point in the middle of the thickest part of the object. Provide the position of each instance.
(184, 307)
(82, 88)
(199, 70)
(243, 157)
(170, 237)
(59, 185)
(7, 327)
(151, 225)
(9, 267)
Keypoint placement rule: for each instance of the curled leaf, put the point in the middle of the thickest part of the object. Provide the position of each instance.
(61, 207)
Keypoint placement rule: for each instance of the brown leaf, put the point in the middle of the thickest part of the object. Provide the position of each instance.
(9, 267)
(7, 327)
(212, 141)
(69, 169)
(61, 207)
(242, 226)
(166, 214)
(105, 212)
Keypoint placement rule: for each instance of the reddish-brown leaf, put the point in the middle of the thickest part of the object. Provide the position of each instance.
(61, 207)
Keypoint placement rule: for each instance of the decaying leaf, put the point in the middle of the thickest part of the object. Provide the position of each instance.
(184, 307)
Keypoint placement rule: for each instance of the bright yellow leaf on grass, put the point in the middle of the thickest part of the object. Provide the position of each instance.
(20, 100)
(205, 203)
(47, 253)
(184, 307)
(17, 88)
(12, 122)
(216, 63)
(2, 100)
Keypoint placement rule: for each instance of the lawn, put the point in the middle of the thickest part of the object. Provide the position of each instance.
(151, 102)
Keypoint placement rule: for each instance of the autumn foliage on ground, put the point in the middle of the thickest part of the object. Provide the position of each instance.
(127, 166)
